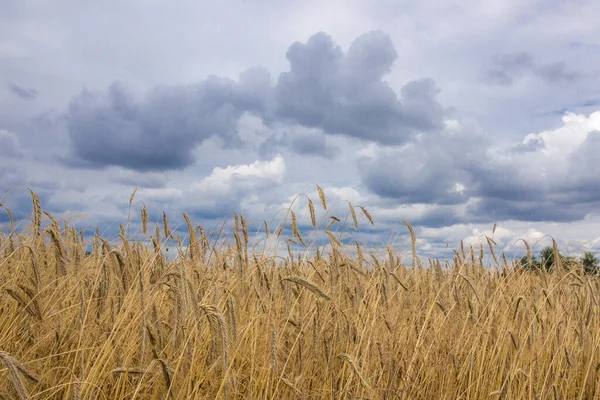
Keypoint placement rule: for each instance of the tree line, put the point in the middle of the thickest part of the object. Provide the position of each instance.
(547, 260)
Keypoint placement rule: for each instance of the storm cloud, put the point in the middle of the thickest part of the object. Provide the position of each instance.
(300, 140)
(550, 176)
(337, 93)
(160, 131)
(433, 169)
(345, 93)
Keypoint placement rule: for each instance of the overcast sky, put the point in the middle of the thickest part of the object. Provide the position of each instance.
(451, 116)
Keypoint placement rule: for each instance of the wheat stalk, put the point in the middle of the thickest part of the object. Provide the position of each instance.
(311, 209)
(244, 230)
(413, 241)
(367, 214)
(491, 241)
(194, 249)
(352, 363)
(37, 213)
(353, 214)
(333, 239)
(58, 247)
(309, 285)
(166, 229)
(144, 215)
(322, 197)
(16, 371)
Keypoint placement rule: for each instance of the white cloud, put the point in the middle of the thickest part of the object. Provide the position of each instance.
(223, 180)
(566, 139)
(556, 156)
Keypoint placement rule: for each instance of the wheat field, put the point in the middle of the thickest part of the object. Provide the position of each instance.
(230, 320)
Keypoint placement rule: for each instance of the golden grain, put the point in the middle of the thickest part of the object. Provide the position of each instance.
(322, 197)
(16, 371)
(193, 327)
(309, 285)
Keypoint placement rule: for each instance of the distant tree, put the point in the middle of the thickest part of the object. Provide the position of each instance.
(590, 263)
(534, 265)
(547, 260)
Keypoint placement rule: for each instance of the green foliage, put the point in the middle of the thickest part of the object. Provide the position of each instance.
(534, 265)
(545, 263)
(547, 259)
(590, 263)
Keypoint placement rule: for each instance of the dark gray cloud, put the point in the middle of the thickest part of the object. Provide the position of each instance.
(535, 210)
(27, 94)
(529, 181)
(507, 68)
(434, 169)
(437, 217)
(312, 144)
(504, 181)
(345, 94)
(137, 179)
(305, 142)
(160, 131)
(412, 176)
(338, 93)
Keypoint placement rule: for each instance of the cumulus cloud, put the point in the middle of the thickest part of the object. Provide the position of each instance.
(325, 89)
(161, 130)
(300, 140)
(433, 169)
(312, 143)
(345, 93)
(223, 180)
(531, 143)
(550, 176)
(506, 69)
(225, 189)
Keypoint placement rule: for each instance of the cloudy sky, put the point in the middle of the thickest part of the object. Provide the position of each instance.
(450, 116)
